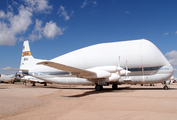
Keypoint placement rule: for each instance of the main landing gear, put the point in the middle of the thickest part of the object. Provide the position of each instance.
(33, 84)
(114, 86)
(45, 84)
(98, 87)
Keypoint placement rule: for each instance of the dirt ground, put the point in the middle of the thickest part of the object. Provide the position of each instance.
(63, 102)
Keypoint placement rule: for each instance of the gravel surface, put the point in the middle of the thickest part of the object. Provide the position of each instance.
(63, 102)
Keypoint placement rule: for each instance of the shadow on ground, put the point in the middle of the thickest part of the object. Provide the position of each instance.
(109, 90)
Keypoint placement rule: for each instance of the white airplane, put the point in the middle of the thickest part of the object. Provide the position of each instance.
(116, 63)
(33, 80)
(7, 78)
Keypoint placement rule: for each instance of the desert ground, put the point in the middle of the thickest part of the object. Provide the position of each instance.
(64, 102)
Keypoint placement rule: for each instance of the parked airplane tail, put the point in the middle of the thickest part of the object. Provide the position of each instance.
(27, 60)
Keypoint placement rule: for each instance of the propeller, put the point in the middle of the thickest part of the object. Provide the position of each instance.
(127, 72)
(118, 67)
(16, 74)
(119, 71)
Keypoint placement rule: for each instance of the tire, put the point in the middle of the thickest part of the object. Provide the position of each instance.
(98, 87)
(165, 87)
(114, 86)
(33, 84)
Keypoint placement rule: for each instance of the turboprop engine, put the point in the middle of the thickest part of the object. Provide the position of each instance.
(115, 72)
(111, 73)
(114, 77)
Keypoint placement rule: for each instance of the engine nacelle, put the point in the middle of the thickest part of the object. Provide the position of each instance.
(114, 77)
(99, 74)
(124, 72)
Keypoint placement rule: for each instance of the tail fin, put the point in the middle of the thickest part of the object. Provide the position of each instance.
(27, 60)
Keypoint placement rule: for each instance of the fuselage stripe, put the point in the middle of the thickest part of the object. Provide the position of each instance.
(26, 53)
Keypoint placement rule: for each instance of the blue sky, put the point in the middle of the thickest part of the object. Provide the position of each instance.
(55, 27)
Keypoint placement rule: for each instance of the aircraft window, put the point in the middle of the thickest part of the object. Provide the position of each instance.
(145, 69)
(151, 68)
(135, 69)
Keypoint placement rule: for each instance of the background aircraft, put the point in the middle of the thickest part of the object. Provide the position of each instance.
(33, 80)
(116, 63)
(171, 80)
(7, 78)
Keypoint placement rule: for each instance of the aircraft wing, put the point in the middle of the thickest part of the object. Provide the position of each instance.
(23, 70)
(73, 70)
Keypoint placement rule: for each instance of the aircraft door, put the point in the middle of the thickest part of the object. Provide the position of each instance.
(137, 80)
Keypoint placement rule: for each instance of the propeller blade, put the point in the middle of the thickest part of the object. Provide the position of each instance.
(118, 66)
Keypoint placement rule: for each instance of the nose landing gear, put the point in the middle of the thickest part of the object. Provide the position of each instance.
(165, 87)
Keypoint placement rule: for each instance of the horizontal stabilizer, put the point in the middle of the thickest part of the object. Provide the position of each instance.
(72, 70)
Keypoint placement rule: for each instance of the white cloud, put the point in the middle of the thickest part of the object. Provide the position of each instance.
(127, 12)
(51, 29)
(2, 14)
(15, 3)
(172, 57)
(92, 2)
(37, 32)
(64, 13)
(84, 4)
(16, 24)
(7, 36)
(12, 25)
(166, 33)
(39, 5)
(20, 22)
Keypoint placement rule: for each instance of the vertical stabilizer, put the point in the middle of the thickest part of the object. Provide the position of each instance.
(27, 60)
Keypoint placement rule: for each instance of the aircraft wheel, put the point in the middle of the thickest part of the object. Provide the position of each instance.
(98, 87)
(114, 86)
(34, 84)
(45, 84)
(165, 87)
(101, 87)
(141, 84)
